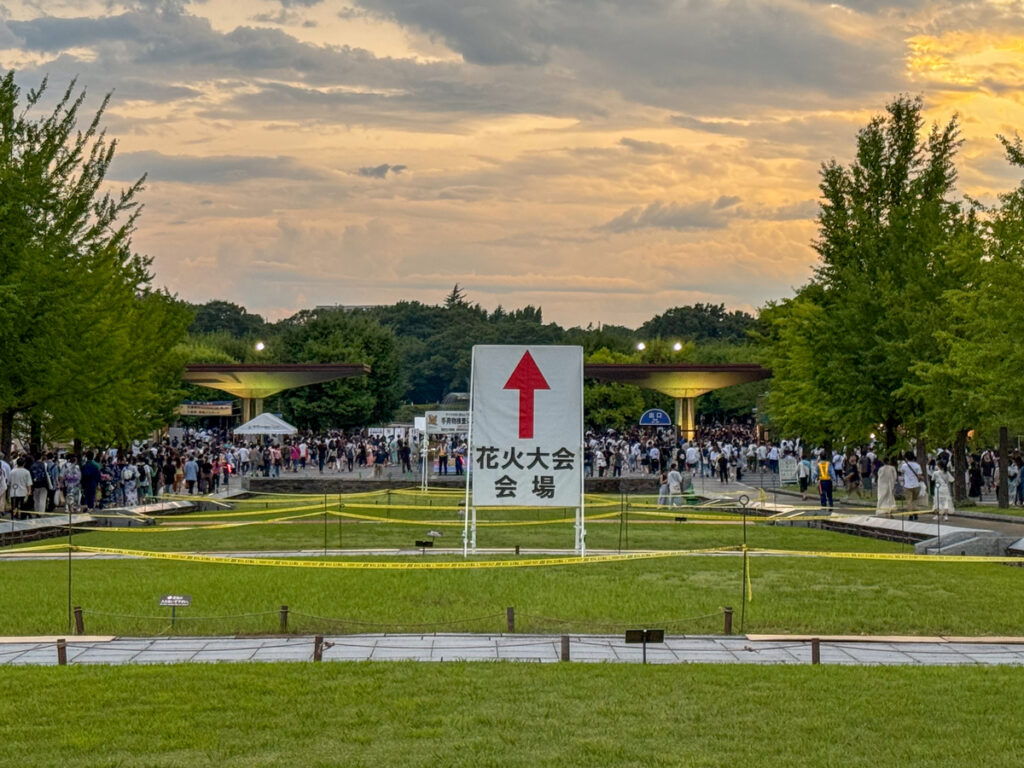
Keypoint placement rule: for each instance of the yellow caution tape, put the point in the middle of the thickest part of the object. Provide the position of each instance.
(746, 568)
(460, 523)
(162, 528)
(391, 565)
(685, 512)
(247, 513)
(890, 556)
(38, 548)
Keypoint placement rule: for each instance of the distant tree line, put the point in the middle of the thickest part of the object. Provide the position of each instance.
(420, 352)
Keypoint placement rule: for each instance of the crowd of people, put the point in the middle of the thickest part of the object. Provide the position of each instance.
(199, 462)
(205, 461)
(724, 452)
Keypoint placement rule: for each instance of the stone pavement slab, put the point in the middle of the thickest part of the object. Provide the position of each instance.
(678, 649)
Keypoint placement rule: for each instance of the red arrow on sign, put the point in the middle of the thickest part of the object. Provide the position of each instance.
(527, 378)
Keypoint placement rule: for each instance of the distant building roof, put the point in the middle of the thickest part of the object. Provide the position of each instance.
(678, 379)
(252, 380)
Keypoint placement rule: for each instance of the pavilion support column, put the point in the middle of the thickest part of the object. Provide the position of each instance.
(686, 416)
(251, 408)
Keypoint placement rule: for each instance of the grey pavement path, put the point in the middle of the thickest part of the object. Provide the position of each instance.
(533, 648)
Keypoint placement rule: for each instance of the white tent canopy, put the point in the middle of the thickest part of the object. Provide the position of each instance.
(266, 424)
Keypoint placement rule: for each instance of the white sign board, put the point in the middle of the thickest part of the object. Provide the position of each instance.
(527, 417)
(787, 469)
(447, 422)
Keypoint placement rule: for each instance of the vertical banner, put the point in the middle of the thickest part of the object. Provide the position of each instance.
(527, 426)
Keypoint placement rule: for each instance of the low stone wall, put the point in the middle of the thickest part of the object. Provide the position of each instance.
(336, 485)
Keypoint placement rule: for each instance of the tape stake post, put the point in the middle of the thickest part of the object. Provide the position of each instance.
(743, 588)
(470, 466)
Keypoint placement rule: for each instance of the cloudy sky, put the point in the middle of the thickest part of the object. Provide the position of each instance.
(603, 159)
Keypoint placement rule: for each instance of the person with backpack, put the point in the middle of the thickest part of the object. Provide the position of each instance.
(40, 484)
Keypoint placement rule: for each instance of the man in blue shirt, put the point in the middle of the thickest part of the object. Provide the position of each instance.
(191, 474)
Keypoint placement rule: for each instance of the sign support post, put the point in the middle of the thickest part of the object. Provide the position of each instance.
(469, 478)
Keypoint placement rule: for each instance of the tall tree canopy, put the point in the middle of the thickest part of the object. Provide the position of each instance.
(843, 350)
(700, 322)
(88, 343)
(223, 316)
(338, 335)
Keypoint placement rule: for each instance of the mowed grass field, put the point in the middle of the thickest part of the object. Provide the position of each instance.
(684, 594)
(491, 714)
(508, 714)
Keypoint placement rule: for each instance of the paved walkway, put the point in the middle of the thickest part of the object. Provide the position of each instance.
(752, 649)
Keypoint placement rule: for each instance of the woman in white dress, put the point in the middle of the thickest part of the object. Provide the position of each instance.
(886, 504)
(942, 503)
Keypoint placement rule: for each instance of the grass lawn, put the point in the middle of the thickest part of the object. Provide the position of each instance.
(789, 594)
(481, 714)
(337, 533)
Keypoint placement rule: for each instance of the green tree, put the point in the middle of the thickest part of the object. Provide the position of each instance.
(336, 336)
(223, 316)
(88, 343)
(974, 383)
(848, 343)
(700, 322)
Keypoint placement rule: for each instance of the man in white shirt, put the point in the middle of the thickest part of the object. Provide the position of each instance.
(911, 477)
(692, 458)
(675, 487)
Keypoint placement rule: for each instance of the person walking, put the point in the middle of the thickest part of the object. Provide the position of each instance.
(191, 474)
(942, 502)
(675, 486)
(40, 484)
(911, 476)
(91, 478)
(886, 503)
(803, 475)
(20, 483)
(71, 484)
(824, 474)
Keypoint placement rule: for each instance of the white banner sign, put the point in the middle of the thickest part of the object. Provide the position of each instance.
(527, 438)
(447, 422)
(787, 469)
